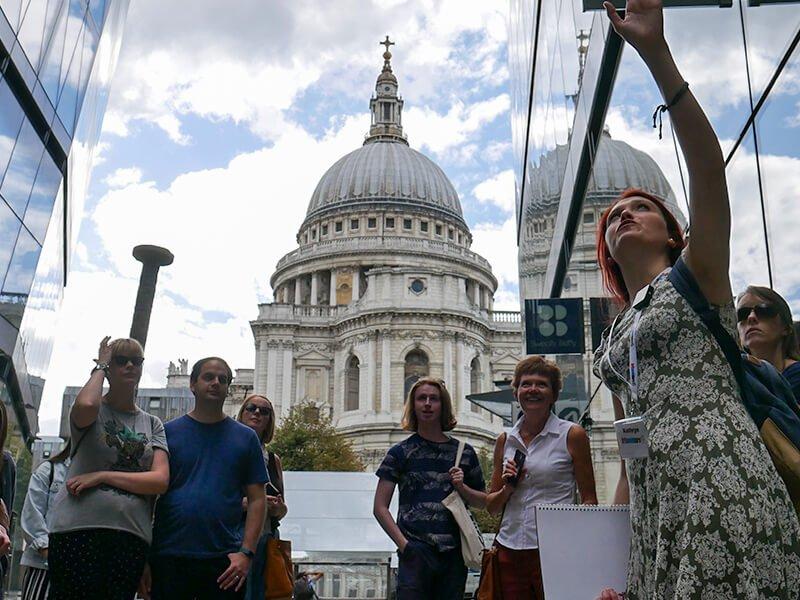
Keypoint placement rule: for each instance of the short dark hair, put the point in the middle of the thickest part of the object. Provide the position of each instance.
(197, 367)
(538, 365)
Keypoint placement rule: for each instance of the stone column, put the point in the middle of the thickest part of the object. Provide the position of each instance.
(272, 370)
(476, 294)
(332, 298)
(386, 372)
(260, 376)
(447, 364)
(288, 375)
(356, 283)
(461, 386)
(296, 290)
(314, 287)
(487, 299)
(372, 374)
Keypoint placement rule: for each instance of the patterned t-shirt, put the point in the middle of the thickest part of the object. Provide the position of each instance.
(420, 469)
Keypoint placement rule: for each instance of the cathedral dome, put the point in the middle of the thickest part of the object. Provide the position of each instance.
(617, 167)
(387, 172)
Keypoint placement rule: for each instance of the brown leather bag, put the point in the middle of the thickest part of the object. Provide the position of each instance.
(489, 586)
(278, 571)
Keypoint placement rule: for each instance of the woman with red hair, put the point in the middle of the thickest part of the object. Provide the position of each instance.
(710, 517)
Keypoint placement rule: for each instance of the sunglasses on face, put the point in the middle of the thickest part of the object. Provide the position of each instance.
(763, 311)
(121, 361)
(254, 408)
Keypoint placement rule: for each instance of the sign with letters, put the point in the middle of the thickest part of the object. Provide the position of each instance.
(554, 326)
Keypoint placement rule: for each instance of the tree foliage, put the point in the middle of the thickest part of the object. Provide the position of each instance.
(487, 523)
(307, 441)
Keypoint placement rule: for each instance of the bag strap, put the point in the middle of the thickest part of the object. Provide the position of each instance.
(686, 285)
(459, 452)
(52, 475)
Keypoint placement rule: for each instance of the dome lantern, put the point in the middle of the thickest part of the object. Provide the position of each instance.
(386, 106)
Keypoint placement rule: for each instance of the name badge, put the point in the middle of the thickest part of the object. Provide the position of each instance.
(632, 438)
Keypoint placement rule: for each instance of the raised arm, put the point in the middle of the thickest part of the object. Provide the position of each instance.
(708, 255)
(87, 403)
(380, 509)
(580, 451)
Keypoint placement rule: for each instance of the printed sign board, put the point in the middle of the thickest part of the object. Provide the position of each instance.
(554, 326)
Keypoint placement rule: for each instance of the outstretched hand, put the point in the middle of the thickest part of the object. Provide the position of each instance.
(104, 352)
(643, 25)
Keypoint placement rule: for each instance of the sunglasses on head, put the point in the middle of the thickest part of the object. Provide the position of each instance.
(121, 360)
(254, 408)
(763, 311)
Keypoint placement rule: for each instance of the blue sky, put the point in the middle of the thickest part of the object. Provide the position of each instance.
(219, 125)
(222, 118)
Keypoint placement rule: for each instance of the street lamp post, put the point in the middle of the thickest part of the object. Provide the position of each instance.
(152, 259)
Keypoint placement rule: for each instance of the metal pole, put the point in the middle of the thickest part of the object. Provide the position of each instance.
(152, 259)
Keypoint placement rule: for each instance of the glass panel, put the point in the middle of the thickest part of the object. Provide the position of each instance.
(23, 265)
(748, 251)
(18, 180)
(9, 227)
(40, 205)
(769, 28)
(10, 121)
(12, 9)
(98, 10)
(720, 85)
(36, 28)
(50, 71)
(77, 79)
(778, 126)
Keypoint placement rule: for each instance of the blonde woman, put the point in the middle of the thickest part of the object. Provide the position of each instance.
(422, 466)
(258, 414)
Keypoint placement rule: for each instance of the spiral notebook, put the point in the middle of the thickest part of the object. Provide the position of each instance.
(583, 549)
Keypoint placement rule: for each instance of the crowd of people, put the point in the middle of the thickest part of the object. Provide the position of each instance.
(710, 516)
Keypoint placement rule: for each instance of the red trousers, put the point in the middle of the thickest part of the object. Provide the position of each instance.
(520, 574)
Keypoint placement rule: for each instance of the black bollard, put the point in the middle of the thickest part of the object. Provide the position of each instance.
(152, 259)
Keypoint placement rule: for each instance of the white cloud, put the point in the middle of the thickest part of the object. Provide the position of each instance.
(445, 131)
(496, 150)
(124, 177)
(498, 244)
(497, 190)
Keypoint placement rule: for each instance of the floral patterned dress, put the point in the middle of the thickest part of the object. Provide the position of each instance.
(710, 516)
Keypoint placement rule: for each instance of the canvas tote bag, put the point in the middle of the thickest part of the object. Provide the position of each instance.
(471, 539)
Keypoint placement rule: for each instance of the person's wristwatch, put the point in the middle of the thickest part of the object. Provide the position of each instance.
(100, 366)
(247, 552)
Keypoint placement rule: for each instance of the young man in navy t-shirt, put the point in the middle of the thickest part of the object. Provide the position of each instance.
(423, 466)
(198, 550)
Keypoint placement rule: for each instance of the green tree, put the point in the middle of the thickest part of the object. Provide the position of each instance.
(307, 441)
(487, 523)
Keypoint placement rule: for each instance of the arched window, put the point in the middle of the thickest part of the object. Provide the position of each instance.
(416, 367)
(351, 383)
(475, 382)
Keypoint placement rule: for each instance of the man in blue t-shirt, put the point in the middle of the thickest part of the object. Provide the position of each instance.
(198, 549)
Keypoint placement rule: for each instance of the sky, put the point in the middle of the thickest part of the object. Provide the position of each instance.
(222, 118)
(220, 123)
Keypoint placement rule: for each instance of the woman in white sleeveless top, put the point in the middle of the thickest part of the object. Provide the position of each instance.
(557, 458)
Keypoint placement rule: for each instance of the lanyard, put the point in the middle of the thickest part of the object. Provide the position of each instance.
(640, 302)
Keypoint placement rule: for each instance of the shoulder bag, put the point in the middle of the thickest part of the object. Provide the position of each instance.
(471, 539)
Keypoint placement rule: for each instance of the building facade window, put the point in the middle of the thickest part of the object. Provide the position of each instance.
(389, 222)
(423, 226)
(352, 381)
(324, 230)
(337, 227)
(407, 224)
(416, 367)
(353, 224)
(438, 229)
(372, 222)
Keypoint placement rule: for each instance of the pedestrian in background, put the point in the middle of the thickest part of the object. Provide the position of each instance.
(101, 521)
(428, 539)
(8, 481)
(258, 414)
(43, 487)
(556, 458)
(767, 332)
(710, 516)
(200, 550)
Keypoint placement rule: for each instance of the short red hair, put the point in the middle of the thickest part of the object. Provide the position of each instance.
(612, 274)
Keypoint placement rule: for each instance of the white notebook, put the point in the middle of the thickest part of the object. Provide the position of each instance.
(583, 549)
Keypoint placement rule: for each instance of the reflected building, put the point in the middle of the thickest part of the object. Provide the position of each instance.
(382, 290)
(56, 62)
(575, 87)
